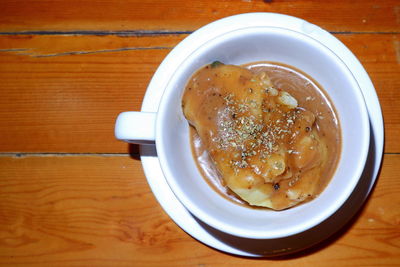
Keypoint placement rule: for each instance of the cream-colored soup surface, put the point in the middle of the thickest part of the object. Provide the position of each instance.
(263, 134)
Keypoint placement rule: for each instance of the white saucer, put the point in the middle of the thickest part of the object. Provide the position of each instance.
(271, 247)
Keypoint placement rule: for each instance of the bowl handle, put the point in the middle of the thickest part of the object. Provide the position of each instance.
(136, 127)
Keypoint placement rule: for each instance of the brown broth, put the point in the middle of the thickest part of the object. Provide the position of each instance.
(310, 96)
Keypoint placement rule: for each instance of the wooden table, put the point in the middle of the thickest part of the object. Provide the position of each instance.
(72, 195)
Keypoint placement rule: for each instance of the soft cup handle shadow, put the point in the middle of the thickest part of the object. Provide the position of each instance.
(136, 127)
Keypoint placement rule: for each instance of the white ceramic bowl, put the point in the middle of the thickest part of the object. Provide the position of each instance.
(251, 44)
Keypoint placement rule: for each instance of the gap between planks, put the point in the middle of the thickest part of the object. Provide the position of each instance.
(99, 33)
(139, 33)
(62, 154)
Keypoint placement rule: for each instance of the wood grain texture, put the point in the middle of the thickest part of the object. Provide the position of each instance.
(62, 93)
(174, 15)
(99, 211)
(65, 100)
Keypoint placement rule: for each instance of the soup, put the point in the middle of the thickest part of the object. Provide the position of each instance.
(263, 134)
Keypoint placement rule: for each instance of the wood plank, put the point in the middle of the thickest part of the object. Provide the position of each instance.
(60, 92)
(63, 93)
(99, 210)
(180, 15)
